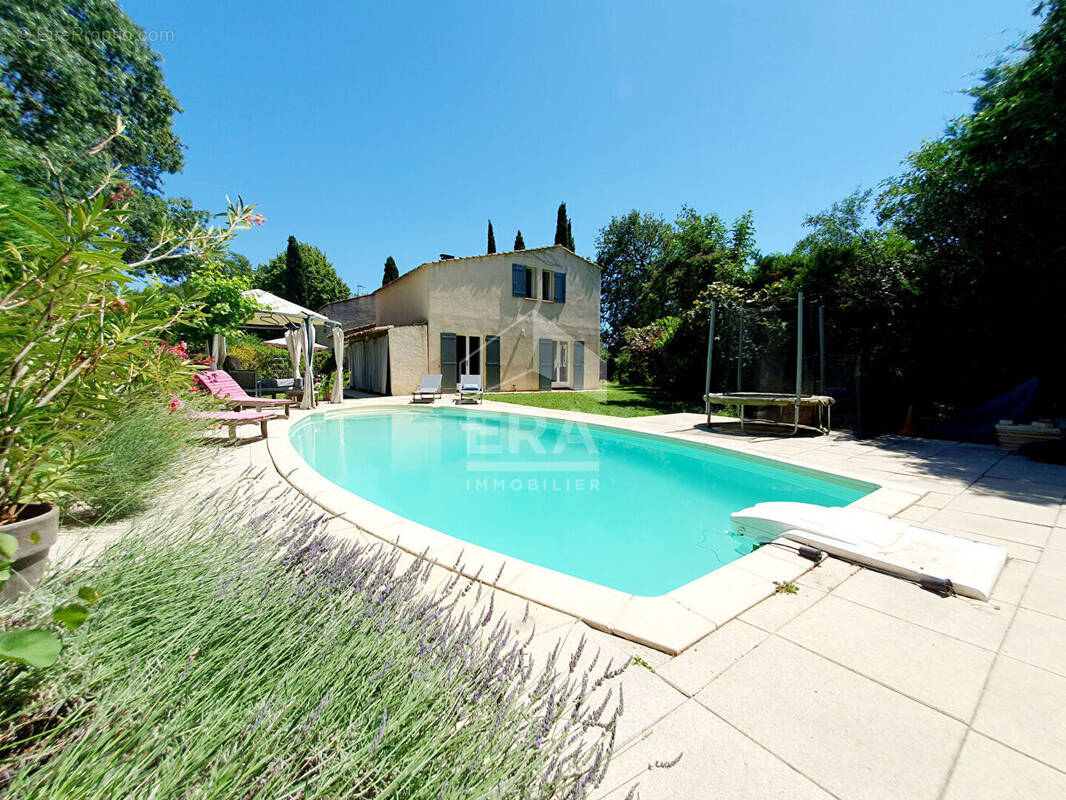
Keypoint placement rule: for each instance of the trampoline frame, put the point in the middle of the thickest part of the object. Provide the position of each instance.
(763, 399)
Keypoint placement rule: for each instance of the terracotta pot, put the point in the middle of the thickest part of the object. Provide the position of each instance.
(36, 531)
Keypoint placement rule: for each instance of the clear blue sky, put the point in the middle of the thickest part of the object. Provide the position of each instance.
(400, 129)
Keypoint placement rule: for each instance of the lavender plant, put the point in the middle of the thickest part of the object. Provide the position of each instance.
(240, 652)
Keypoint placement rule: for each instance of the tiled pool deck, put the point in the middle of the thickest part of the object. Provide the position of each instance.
(859, 685)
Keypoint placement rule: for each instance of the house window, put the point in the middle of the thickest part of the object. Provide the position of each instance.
(531, 282)
(546, 280)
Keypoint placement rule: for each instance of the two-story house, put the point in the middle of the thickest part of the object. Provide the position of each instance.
(525, 320)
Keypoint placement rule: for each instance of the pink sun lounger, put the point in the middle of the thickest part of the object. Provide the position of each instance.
(222, 386)
(232, 419)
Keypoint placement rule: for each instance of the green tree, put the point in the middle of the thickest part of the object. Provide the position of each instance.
(149, 219)
(492, 240)
(519, 242)
(562, 223)
(570, 236)
(68, 70)
(321, 283)
(985, 206)
(628, 249)
(296, 282)
(392, 272)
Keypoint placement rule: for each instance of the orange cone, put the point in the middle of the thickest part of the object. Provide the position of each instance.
(908, 423)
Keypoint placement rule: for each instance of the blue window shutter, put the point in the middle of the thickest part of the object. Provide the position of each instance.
(518, 280)
(560, 287)
(545, 364)
(448, 366)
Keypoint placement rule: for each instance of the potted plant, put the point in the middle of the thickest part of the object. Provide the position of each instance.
(80, 343)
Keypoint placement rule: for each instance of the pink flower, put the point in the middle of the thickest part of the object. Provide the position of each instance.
(255, 219)
(175, 403)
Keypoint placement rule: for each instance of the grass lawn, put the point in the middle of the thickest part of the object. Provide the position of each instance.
(612, 400)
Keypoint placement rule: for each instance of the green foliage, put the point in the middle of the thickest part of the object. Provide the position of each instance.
(68, 70)
(149, 216)
(785, 588)
(564, 233)
(392, 272)
(218, 298)
(985, 206)
(613, 401)
(269, 361)
(238, 654)
(519, 242)
(492, 240)
(655, 275)
(135, 458)
(303, 275)
(80, 341)
(33, 647)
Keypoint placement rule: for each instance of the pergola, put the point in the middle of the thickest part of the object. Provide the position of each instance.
(299, 324)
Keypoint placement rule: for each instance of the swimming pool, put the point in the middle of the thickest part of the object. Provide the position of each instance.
(638, 513)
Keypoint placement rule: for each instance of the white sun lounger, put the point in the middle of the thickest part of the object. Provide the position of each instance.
(470, 387)
(428, 389)
(873, 540)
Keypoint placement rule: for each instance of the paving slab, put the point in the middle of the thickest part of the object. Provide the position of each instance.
(717, 761)
(711, 656)
(973, 621)
(945, 673)
(1047, 586)
(849, 734)
(1038, 639)
(1024, 707)
(987, 770)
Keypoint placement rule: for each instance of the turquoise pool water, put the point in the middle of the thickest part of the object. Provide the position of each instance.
(641, 514)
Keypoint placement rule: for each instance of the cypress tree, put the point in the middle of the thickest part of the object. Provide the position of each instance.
(560, 225)
(569, 235)
(519, 242)
(492, 239)
(295, 274)
(391, 272)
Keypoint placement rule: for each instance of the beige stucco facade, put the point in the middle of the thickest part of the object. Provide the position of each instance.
(474, 298)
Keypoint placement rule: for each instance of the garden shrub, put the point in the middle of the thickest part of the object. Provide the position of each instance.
(237, 651)
(134, 459)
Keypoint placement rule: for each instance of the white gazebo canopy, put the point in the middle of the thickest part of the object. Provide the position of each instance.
(274, 310)
(283, 344)
(299, 338)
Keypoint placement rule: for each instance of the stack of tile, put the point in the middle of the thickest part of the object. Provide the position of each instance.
(1012, 435)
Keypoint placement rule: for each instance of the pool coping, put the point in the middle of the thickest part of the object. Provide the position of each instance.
(671, 622)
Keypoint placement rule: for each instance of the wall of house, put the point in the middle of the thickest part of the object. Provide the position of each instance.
(408, 357)
(472, 296)
(405, 301)
(355, 312)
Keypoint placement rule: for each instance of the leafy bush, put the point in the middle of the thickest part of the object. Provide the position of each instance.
(272, 362)
(81, 340)
(134, 459)
(239, 653)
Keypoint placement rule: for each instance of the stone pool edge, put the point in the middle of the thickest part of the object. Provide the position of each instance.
(670, 623)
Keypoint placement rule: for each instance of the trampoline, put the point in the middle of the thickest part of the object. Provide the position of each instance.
(760, 348)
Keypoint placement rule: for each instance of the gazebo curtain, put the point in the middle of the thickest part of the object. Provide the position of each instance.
(218, 349)
(292, 341)
(370, 364)
(337, 395)
(307, 336)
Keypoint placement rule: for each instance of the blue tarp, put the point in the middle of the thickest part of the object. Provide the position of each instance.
(981, 421)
